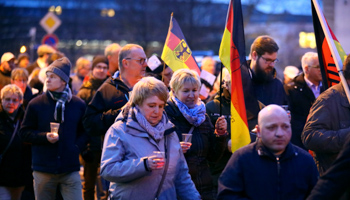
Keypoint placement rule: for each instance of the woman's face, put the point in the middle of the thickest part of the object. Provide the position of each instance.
(10, 102)
(152, 109)
(188, 94)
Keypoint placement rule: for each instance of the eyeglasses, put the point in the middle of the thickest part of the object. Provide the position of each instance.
(315, 66)
(269, 61)
(141, 60)
(8, 100)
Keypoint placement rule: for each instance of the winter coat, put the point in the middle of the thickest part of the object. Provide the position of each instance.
(5, 79)
(105, 106)
(205, 147)
(62, 156)
(253, 172)
(125, 150)
(15, 169)
(86, 92)
(327, 126)
(300, 99)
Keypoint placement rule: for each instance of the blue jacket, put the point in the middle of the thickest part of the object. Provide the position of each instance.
(253, 172)
(125, 148)
(62, 156)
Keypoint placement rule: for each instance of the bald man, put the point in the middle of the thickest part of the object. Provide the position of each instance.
(270, 168)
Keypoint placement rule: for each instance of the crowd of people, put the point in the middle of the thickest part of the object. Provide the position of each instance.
(142, 131)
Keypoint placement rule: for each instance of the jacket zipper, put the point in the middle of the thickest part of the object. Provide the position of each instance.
(278, 177)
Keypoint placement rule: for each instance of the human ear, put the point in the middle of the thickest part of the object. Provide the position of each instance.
(254, 55)
(258, 134)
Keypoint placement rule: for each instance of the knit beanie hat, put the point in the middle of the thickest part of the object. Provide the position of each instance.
(99, 59)
(61, 67)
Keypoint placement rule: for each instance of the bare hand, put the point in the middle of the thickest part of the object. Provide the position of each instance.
(185, 146)
(229, 145)
(221, 126)
(155, 162)
(52, 137)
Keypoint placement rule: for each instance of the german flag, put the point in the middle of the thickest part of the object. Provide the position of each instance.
(176, 52)
(232, 55)
(330, 52)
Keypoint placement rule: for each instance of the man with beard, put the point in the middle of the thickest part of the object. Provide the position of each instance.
(6, 66)
(268, 89)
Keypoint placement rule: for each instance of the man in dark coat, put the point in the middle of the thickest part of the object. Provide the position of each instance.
(271, 168)
(92, 154)
(6, 66)
(114, 93)
(328, 123)
(302, 93)
(55, 156)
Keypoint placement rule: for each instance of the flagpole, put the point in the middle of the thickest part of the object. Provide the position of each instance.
(336, 57)
(221, 66)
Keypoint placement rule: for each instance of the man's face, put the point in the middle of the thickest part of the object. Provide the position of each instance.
(54, 83)
(167, 74)
(314, 72)
(84, 69)
(274, 130)
(209, 66)
(135, 64)
(113, 62)
(8, 66)
(265, 64)
(100, 71)
(24, 62)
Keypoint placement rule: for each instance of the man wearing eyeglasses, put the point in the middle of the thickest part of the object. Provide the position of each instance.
(302, 93)
(268, 89)
(114, 92)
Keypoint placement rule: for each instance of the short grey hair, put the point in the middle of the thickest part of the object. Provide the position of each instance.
(12, 89)
(125, 52)
(182, 76)
(309, 59)
(111, 49)
(148, 87)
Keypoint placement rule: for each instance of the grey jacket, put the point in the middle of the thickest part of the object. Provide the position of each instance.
(125, 148)
(327, 126)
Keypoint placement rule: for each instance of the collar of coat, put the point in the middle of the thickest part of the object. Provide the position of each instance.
(288, 153)
(131, 122)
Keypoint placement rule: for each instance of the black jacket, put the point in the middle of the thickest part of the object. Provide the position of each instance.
(15, 167)
(253, 172)
(105, 106)
(300, 99)
(205, 147)
(62, 156)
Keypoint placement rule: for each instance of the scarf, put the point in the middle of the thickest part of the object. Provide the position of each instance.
(157, 132)
(194, 116)
(61, 98)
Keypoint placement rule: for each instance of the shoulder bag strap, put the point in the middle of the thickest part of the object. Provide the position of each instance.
(167, 158)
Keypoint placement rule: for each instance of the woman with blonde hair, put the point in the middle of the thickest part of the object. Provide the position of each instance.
(188, 113)
(142, 156)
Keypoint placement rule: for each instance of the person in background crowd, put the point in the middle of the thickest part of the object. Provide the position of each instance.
(268, 88)
(328, 123)
(23, 60)
(55, 155)
(187, 112)
(302, 93)
(112, 54)
(289, 73)
(213, 111)
(83, 68)
(163, 72)
(19, 77)
(92, 155)
(43, 52)
(6, 66)
(15, 169)
(209, 65)
(38, 76)
(270, 168)
(135, 171)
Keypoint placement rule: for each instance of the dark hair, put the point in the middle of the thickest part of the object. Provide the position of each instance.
(264, 44)
(346, 68)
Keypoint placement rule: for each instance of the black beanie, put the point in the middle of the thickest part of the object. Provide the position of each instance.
(99, 59)
(61, 67)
